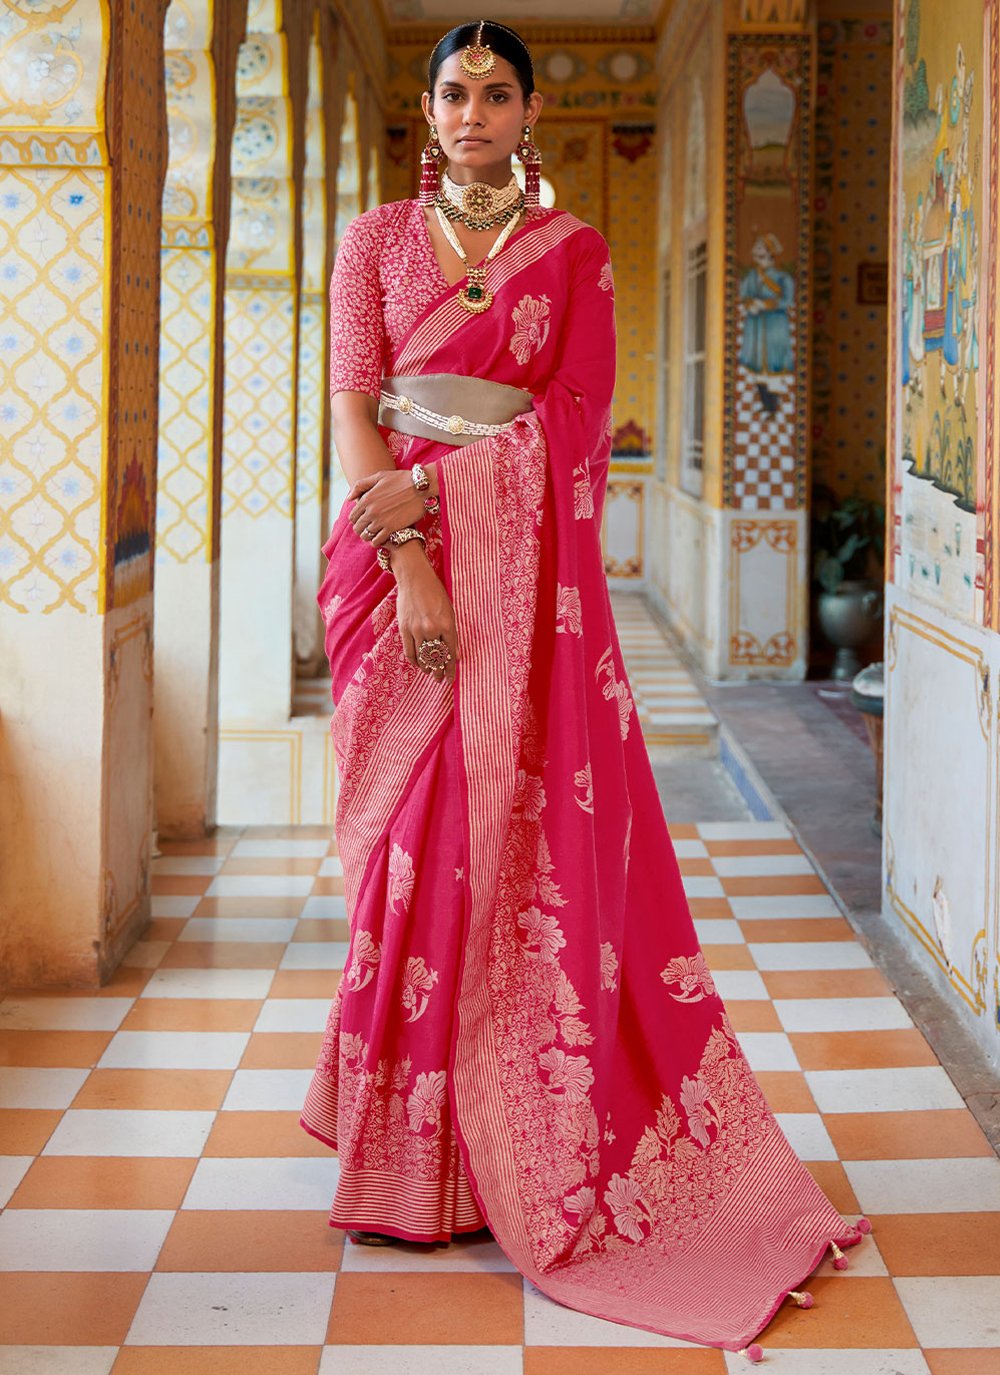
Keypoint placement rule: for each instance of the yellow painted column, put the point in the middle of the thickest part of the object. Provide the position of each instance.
(312, 464)
(200, 40)
(261, 324)
(80, 183)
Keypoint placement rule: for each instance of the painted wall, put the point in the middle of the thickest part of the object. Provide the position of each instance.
(79, 244)
(727, 527)
(277, 511)
(942, 754)
(850, 247)
(597, 134)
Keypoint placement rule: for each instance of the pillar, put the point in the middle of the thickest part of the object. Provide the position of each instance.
(729, 508)
(261, 319)
(82, 152)
(312, 464)
(200, 44)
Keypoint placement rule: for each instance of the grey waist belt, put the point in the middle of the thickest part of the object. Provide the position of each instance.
(448, 407)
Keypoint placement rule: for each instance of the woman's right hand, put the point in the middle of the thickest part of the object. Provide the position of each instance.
(423, 607)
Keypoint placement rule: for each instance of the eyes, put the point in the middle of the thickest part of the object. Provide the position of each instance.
(494, 97)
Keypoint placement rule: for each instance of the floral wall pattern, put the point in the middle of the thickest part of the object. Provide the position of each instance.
(55, 245)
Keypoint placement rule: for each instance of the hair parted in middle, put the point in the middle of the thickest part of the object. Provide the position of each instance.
(498, 37)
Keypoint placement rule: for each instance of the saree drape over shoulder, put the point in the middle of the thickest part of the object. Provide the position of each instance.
(527, 1033)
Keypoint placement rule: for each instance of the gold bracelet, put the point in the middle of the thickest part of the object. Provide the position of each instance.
(397, 538)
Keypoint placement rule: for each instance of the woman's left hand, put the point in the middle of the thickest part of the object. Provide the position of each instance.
(385, 502)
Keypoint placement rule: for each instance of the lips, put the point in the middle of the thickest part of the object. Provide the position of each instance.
(473, 140)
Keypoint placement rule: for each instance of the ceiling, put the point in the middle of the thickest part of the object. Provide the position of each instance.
(450, 12)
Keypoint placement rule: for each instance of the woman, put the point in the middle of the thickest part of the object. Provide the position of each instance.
(527, 1035)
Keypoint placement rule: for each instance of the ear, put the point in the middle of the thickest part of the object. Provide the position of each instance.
(533, 107)
(427, 105)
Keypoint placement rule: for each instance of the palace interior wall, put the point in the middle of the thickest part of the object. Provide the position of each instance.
(942, 749)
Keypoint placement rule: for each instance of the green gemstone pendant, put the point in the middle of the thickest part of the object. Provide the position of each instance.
(475, 299)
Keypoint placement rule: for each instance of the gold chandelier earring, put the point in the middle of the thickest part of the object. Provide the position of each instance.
(431, 161)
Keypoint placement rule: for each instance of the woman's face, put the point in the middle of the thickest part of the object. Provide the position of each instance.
(479, 122)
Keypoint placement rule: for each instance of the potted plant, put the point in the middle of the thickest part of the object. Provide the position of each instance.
(848, 541)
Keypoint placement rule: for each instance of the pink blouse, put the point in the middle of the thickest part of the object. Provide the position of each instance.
(385, 275)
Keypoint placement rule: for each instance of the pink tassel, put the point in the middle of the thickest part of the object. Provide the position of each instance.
(528, 152)
(839, 1259)
(802, 1297)
(864, 1226)
(430, 168)
(754, 1352)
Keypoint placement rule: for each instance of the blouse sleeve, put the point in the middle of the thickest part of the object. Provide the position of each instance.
(357, 331)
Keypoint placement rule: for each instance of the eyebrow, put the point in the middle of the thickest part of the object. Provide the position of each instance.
(493, 85)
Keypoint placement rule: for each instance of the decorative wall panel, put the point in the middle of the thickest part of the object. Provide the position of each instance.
(53, 429)
(768, 228)
(942, 280)
(940, 807)
(139, 156)
(259, 415)
(766, 559)
(850, 245)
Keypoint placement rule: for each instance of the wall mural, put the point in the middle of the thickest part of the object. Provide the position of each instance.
(939, 228)
(767, 230)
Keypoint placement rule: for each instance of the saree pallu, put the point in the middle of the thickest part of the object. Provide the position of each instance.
(527, 1032)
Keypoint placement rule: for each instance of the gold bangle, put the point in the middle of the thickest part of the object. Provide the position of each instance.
(397, 538)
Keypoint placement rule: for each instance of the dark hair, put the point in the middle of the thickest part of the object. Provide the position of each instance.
(503, 41)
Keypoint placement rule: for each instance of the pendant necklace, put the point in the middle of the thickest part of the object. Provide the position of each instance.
(475, 297)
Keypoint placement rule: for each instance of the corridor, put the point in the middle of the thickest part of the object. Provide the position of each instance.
(792, 217)
(167, 1215)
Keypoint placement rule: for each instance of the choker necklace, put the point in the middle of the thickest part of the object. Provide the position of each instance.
(479, 205)
(475, 297)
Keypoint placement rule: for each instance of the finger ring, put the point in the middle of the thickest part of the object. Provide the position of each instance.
(434, 654)
(368, 532)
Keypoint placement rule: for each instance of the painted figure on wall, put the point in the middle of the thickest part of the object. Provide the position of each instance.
(769, 93)
(769, 295)
(939, 254)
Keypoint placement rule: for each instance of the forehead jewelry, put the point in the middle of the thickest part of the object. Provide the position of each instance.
(478, 60)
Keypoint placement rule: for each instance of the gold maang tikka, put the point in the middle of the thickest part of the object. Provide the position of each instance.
(478, 59)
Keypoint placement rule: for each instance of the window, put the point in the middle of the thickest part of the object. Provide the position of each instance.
(692, 457)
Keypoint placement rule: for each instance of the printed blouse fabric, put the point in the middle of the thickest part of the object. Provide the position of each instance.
(384, 277)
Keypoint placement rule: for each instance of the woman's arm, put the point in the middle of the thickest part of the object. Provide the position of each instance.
(386, 497)
(424, 611)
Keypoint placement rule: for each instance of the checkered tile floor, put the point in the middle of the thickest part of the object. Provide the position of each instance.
(167, 1216)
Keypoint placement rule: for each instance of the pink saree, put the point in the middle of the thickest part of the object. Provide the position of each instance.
(527, 1033)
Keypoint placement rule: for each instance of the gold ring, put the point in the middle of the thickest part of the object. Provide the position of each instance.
(434, 654)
